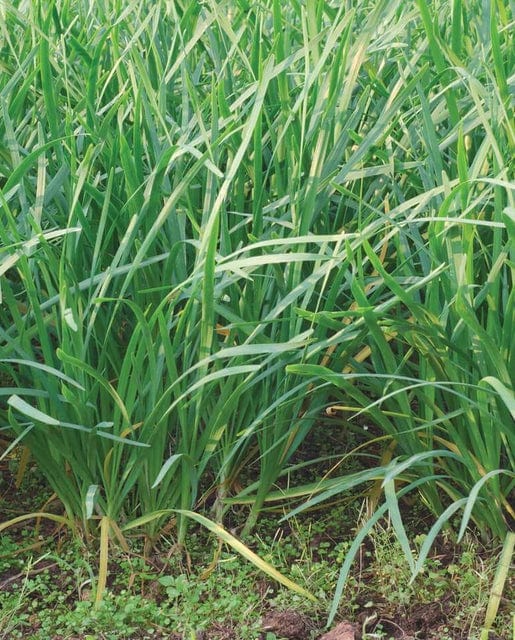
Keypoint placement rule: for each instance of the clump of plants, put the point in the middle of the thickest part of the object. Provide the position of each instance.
(218, 222)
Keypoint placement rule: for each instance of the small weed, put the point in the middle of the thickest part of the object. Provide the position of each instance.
(52, 595)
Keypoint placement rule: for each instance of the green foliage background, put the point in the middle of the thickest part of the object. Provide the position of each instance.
(218, 218)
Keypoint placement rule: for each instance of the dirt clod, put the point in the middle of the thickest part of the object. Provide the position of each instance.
(342, 631)
(289, 624)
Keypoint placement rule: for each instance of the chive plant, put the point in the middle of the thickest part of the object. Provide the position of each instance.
(435, 293)
(218, 218)
(166, 213)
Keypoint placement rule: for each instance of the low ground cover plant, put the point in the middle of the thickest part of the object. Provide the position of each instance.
(47, 591)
